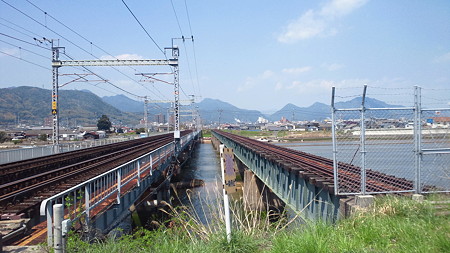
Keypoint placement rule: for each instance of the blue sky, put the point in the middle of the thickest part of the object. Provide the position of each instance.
(254, 54)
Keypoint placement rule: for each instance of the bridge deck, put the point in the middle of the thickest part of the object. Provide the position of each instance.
(319, 170)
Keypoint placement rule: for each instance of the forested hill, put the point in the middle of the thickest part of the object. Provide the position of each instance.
(31, 105)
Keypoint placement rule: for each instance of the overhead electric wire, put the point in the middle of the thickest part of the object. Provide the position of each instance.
(16, 30)
(31, 32)
(145, 30)
(116, 69)
(72, 30)
(193, 47)
(105, 80)
(21, 48)
(176, 17)
(26, 61)
(67, 39)
(188, 16)
(12, 37)
(184, 45)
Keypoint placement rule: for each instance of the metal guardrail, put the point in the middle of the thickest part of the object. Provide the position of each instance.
(13, 155)
(80, 200)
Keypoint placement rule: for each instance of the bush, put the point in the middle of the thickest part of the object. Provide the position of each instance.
(17, 142)
(3, 137)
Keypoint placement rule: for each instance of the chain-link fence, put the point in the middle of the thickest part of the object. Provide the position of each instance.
(382, 149)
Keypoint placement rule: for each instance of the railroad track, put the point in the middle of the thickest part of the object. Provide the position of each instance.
(16, 170)
(26, 183)
(319, 170)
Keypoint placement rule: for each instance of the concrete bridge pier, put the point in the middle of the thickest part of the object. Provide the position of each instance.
(215, 142)
(257, 196)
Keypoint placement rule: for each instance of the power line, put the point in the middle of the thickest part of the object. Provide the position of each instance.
(106, 81)
(193, 47)
(36, 45)
(70, 40)
(25, 60)
(176, 17)
(12, 23)
(21, 48)
(145, 30)
(189, 19)
(72, 30)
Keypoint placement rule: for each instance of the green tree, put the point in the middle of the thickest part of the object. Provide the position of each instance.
(3, 137)
(104, 123)
(43, 137)
(140, 130)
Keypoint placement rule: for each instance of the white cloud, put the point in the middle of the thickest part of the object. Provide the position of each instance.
(10, 51)
(443, 58)
(267, 74)
(297, 70)
(315, 23)
(252, 82)
(340, 8)
(278, 86)
(333, 66)
(123, 57)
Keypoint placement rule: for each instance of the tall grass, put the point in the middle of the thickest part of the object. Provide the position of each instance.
(393, 224)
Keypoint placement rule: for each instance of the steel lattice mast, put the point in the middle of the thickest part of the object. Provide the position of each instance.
(56, 64)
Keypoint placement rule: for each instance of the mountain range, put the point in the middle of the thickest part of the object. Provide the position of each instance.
(31, 105)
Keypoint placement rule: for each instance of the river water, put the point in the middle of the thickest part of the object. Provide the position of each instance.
(204, 165)
(387, 156)
(391, 157)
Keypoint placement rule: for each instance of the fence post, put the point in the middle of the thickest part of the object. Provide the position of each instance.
(58, 210)
(363, 142)
(87, 201)
(138, 163)
(417, 136)
(151, 164)
(119, 176)
(49, 214)
(333, 136)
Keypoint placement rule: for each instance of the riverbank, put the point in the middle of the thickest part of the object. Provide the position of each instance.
(279, 136)
(393, 224)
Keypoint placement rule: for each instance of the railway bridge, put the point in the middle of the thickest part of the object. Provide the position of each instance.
(277, 176)
(93, 188)
(97, 187)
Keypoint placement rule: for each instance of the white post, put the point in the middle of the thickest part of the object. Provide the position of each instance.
(58, 211)
(49, 214)
(151, 165)
(119, 179)
(138, 164)
(226, 206)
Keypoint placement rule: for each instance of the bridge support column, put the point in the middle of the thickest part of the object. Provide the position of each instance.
(215, 142)
(257, 196)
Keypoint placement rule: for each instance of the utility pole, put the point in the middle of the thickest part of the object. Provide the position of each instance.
(55, 59)
(146, 114)
(220, 116)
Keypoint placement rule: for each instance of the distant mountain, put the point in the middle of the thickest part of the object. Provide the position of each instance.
(31, 105)
(370, 103)
(215, 110)
(124, 103)
(127, 104)
(319, 111)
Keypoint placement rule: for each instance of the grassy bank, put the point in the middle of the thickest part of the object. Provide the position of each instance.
(392, 225)
(279, 135)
